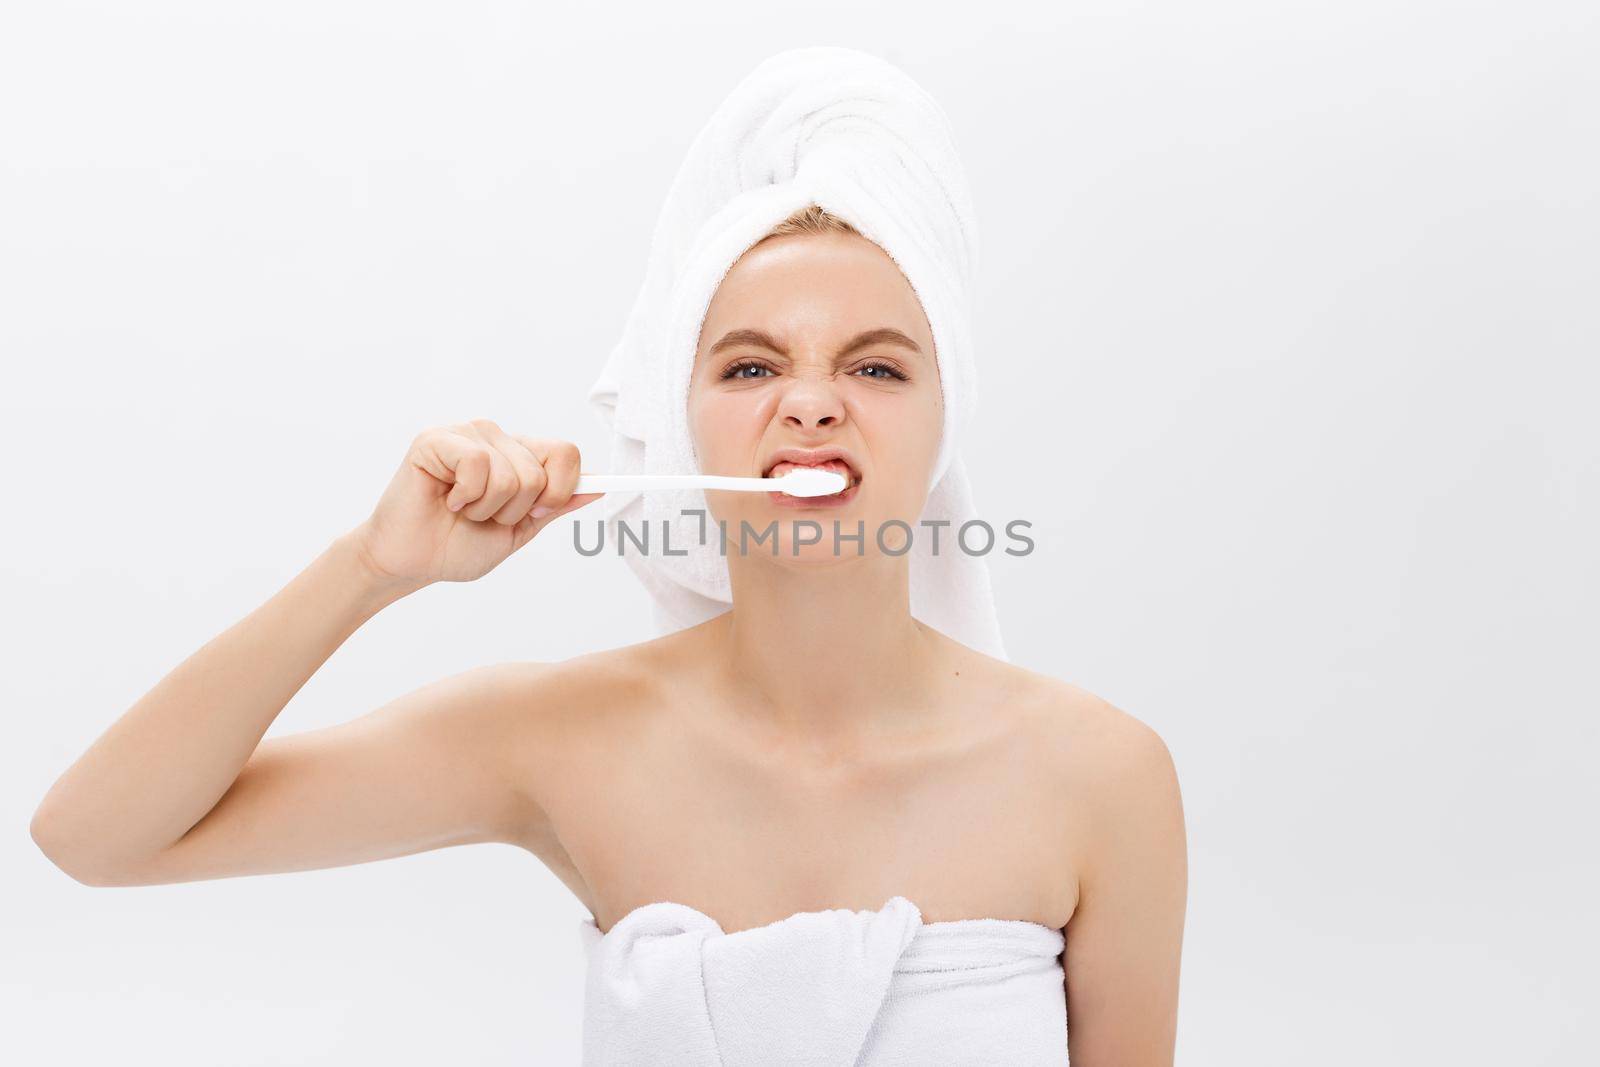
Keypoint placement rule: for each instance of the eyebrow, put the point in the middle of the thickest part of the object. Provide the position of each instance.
(881, 335)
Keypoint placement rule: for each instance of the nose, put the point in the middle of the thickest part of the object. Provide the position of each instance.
(811, 401)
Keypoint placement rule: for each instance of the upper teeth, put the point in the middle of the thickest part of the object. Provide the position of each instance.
(780, 469)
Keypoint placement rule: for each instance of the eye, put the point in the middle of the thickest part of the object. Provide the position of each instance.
(738, 369)
(885, 371)
(741, 371)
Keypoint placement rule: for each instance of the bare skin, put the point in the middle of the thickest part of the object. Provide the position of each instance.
(815, 747)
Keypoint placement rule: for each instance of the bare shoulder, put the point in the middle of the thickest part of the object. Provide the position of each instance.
(1117, 796)
(572, 713)
(1088, 736)
(555, 730)
(1103, 757)
(1107, 757)
(587, 692)
(1099, 728)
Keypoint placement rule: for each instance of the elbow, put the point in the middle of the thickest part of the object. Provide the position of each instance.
(51, 841)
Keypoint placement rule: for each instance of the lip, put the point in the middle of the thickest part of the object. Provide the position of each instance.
(811, 457)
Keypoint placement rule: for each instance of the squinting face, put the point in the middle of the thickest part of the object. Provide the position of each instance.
(817, 342)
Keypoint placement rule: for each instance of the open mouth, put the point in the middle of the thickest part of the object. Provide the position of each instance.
(834, 458)
(778, 470)
(823, 461)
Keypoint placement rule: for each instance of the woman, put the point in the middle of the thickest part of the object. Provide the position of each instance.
(749, 790)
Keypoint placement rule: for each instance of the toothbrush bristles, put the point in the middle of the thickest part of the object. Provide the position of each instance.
(810, 481)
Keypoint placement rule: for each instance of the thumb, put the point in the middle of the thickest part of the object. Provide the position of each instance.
(529, 527)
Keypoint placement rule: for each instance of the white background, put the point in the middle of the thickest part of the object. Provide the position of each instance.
(1291, 304)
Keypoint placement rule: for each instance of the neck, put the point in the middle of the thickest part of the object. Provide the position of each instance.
(828, 652)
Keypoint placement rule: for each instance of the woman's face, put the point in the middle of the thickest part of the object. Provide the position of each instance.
(817, 342)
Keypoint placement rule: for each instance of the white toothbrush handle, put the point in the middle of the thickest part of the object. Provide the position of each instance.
(616, 483)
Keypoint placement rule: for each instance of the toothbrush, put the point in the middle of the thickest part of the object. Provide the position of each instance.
(800, 481)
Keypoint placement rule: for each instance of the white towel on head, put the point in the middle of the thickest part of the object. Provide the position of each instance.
(856, 135)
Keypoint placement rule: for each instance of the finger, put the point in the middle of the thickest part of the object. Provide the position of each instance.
(501, 482)
(560, 460)
(574, 502)
(527, 529)
(458, 462)
(530, 475)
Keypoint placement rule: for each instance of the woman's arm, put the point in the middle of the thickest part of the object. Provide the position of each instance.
(1125, 938)
(183, 787)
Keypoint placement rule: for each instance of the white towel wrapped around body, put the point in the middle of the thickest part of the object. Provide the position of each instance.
(854, 134)
(834, 988)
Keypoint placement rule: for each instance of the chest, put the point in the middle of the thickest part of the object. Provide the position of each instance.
(968, 823)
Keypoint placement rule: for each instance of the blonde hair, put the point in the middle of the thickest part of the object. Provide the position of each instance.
(812, 219)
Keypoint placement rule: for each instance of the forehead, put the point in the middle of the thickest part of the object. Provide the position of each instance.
(828, 283)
